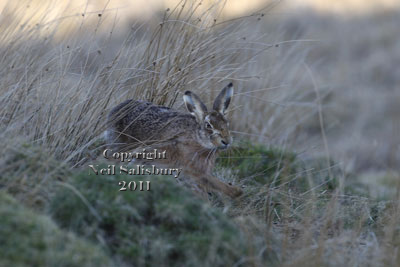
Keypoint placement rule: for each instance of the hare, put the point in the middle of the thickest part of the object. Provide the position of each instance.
(191, 140)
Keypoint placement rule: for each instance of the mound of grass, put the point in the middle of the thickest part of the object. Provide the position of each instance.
(28, 239)
(166, 226)
(257, 165)
(276, 182)
(29, 173)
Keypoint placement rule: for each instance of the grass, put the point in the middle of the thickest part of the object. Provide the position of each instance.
(30, 239)
(276, 221)
(167, 226)
(298, 207)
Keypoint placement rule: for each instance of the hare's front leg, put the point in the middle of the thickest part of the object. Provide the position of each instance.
(210, 182)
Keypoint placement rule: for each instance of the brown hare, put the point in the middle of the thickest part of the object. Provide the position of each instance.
(191, 140)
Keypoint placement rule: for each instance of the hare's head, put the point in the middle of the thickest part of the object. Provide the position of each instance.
(213, 126)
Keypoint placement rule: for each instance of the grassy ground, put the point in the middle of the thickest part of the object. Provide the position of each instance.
(292, 212)
(312, 194)
(30, 239)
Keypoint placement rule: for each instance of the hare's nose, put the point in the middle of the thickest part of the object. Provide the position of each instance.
(223, 142)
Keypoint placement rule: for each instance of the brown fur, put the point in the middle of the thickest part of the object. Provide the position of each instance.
(191, 140)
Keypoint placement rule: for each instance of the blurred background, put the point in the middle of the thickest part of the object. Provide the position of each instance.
(337, 60)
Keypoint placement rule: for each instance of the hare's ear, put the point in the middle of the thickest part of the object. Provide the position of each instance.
(222, 101)
(194, 105)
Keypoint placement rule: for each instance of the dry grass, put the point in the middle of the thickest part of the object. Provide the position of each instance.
(55, 93)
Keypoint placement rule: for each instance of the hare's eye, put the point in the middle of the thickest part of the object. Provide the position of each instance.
(208, 125)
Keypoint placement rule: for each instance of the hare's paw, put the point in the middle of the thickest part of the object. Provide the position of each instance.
(235, 192)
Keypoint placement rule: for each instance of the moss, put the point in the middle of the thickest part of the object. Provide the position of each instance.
(30, 173)
(257, 162)
(276, 181)
(257, 165)
(28, 239)
(165, 226)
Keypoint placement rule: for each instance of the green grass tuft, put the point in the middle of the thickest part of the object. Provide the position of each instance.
(29, 239)
(165, 226)
(257, 166)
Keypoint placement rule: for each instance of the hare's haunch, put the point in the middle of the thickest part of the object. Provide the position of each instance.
(191, 140)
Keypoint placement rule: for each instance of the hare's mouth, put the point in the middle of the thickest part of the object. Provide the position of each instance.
(223, 147)
(223, 144)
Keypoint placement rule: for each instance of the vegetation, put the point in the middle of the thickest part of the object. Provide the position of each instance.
(171, 225)
(167, 226)
(30, 239)
(302, 203)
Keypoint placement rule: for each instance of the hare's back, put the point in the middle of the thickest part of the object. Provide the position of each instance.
(134, 111)
(140, 120)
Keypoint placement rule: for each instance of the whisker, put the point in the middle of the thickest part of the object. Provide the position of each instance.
(250, 134)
